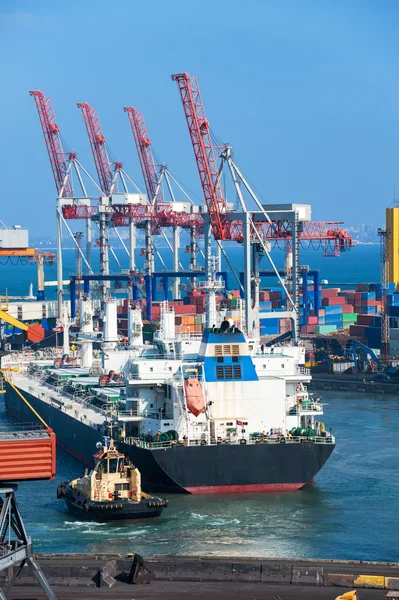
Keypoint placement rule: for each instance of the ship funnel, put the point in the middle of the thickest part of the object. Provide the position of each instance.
(167, 322)
(86, 326)
(135, 326)
(110, 324)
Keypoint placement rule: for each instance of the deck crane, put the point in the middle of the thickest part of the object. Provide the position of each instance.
(62, 163)
(248, 228)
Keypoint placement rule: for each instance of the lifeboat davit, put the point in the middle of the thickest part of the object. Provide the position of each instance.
(194, 396)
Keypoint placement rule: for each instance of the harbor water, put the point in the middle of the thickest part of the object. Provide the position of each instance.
(349, 512)
(359, 264)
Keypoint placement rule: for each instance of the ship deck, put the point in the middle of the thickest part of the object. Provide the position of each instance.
(90, 415)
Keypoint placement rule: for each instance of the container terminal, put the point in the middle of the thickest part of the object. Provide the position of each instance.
(177, 377)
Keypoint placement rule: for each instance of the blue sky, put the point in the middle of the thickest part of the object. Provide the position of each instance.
(307, 92)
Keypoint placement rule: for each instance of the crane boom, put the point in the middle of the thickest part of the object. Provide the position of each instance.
(204, 154)
(143, 145)
(98, 148)
(57, 156)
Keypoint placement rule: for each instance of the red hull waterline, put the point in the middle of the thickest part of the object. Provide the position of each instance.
(255, 487)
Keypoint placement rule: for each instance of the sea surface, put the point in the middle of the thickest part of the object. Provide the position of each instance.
(349, 512)
(360, 264)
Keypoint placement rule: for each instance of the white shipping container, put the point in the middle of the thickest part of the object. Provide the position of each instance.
(14, 238)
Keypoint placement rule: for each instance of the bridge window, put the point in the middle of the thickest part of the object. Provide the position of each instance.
(228, 372)
(218, 350)
(235, 349)
(220, 359)
(219, 373)
(227, 350)
(237, 372)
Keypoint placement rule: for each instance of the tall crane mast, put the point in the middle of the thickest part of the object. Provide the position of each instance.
(57, 155)
(106, 181)
(384, 265)
(144, 151)
(204, 154)
(98, 148)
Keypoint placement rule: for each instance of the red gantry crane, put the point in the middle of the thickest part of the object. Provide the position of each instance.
(249, 228)
(61, 164)
(59, 159)
(144, 151)
(97, 142)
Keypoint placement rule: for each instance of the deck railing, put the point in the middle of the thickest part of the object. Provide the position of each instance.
(133, 441)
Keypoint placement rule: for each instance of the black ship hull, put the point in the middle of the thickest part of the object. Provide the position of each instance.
(190, 469)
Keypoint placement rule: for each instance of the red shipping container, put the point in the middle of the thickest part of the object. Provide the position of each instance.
(333, 301)
(275, 303)
(307, 328)
(369, 302)
(330, 292)
(357, 330)
(313, 320)
(322, 312)
(185, 309)
(347, 309)
(358, 297)
(275, 295)
(365, 319)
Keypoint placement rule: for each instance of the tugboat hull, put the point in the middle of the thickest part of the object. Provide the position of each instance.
(113, 510)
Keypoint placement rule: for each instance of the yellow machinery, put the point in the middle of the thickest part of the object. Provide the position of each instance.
(33, 332)
(392, 243)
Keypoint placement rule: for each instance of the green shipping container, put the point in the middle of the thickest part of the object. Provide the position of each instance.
(325, 329)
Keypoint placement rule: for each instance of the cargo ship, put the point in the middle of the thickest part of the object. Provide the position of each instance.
(197, 413)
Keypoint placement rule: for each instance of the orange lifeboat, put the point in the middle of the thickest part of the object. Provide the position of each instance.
(194, 396)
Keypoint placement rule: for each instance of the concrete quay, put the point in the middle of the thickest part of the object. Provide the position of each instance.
(104, 576)
(363, 383)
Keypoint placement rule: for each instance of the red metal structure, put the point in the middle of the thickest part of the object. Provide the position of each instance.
(27, 451)
(98, 148)
(51, 132)
(330, 235)
(143, 145)
(204, 154)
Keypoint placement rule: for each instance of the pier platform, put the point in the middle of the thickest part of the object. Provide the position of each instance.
(360, 383)
(105, 576)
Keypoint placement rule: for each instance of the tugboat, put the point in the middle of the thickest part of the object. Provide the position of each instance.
(111, 491)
